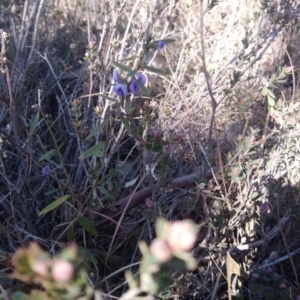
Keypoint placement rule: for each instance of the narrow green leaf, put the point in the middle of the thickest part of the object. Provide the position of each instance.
(154, 70)
(98, 129)
(48, 154)
(126, 124)
(70, 233)
(280, 80)
(281, 77)
(128, 105)
(271, 101)
(272, 86)
(143, 88)
(54, 204)
(108, 98)
(93, 151)
(147, 55)
(87, 225)
(107, 193)
(131, 74)
(34, 123)
(121, 66)
(50, 192)
(129, 58)
(265, 91)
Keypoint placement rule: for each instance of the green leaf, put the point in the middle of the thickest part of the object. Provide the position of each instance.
(143, 88)
(20, 296)
(126, 124)
(281, 77)
(271, 111)
(131, 280)
(162, 227)
(147, 55)
(128, 105)
(265, 91)
(54, 204)
(280, 80)
(273, 77)
(93, 151)
(159, 283)
(106, 193)
(121, 66)
(108, 98)
(271, 94)
(130, 58)
(50, 192)
(70, 233)
(34, 123)
(87, 225)
(132, 73)
(98, 129)
(154, 70)
(271, 101)
(48, 154)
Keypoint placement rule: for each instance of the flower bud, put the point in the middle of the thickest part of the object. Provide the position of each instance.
(160, 250)
(62, 270)
(182, 235)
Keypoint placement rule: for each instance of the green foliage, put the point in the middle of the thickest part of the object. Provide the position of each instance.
(167, 253)
(96, 150)
(268, 90)
(54, 204)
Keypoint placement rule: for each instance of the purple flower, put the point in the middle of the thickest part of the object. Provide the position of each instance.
(264, 208)
(46, 170)
(116, 76)
(141, 77)
(134, 87)
(121, 90)
(161, 45)
(156, 134)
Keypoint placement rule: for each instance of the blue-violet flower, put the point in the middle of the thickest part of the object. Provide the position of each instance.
(121, 90)
(46, 170)
(161, 45)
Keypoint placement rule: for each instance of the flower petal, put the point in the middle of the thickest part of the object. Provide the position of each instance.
(134, 88)
(121, 90)
(46, 170)
(116, 76)
(161, 45)
(141, 77)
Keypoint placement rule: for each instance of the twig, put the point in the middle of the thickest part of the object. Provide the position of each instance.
(275, 262)
(213, 100)
(138, 198)
(12, 105)
(293, 74)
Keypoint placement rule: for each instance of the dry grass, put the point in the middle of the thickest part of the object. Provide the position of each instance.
(214, 121)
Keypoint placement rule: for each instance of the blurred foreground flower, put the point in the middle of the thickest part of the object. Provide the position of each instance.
(182, 235)
(289, 70)
(161, 250)
(62, 270)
